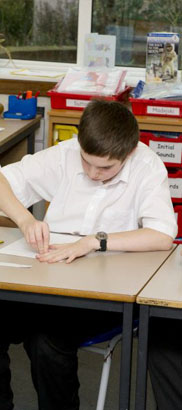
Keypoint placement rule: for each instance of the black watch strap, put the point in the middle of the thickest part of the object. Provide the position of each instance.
(103, 245)
(102, 238)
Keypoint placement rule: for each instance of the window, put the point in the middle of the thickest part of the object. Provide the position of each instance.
(131, 20)
(44, 30)
(39, 29)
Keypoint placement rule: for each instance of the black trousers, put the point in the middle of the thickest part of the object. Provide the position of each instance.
(165, 362)
(51, 336)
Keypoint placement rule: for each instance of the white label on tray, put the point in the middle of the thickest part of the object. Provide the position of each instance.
(167, 151)
(76, 103)
(163, 110)
(175, 186)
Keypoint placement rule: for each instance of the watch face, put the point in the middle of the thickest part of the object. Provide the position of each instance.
(101, 235)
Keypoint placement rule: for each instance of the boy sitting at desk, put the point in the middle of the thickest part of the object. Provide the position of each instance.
(107, 186)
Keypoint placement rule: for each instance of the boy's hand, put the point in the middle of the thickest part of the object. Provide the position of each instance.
(69, 251)
(36, 234)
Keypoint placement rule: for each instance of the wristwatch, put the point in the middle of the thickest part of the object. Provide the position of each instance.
(102, 238)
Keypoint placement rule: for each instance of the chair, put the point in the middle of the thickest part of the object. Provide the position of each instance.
(113, 336)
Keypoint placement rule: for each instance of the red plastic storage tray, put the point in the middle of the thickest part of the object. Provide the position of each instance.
(78, 101)
(158, 108)
(178, 214)
(175, 186)
(168, 149)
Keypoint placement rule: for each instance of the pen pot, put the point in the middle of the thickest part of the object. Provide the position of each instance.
(22, 109)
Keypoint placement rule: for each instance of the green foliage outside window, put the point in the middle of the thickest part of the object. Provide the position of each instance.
(56, 27)
(23, 23)
(118, 12)
(39, 30)
(16, 21)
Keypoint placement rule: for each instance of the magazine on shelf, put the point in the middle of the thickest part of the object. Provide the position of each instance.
(162, 57)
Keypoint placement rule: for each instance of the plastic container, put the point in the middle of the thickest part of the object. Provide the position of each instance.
(20, 108)
(168, 148)
(178, 215)
(157, 108)
(175, 185)
(80, 101)
(64, 132)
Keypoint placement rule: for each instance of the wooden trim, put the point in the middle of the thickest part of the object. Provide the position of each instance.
(153, 123)
(67, 292)
(159, 120)
(9, 87)
(65, 113)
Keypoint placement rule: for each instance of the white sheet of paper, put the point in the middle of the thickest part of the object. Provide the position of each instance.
(21, 248)
(14, 265)
(34, 73)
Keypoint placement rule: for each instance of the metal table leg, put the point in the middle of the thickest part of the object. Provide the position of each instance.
(141, 382)
(125, 370)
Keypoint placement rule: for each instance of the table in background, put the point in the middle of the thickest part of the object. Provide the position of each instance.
(161, 297)
(101, 281)
(17, 138)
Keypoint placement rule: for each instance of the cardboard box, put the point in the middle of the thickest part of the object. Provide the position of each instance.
(162, 57)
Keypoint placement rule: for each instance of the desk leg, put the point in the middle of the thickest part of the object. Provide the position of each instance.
(31, 143)
(31, 150)
(141, 381)
(125, 370)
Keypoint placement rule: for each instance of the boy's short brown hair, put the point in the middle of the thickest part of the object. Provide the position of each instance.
(108, 128)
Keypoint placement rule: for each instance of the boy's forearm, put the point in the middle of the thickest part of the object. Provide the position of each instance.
(10, 205)
(139, 240)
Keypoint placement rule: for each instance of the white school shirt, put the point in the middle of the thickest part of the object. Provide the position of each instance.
(138, 196)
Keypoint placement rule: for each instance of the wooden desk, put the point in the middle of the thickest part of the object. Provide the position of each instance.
(108, 282)
(161, 297)
(17, 139)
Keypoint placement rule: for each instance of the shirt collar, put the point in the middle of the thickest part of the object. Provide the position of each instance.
(79, 168)
(123, 174)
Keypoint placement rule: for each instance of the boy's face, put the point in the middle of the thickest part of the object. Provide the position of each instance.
(100, 168)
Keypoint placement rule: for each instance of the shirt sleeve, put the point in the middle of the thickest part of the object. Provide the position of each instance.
(156, 210)
(36, 176)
